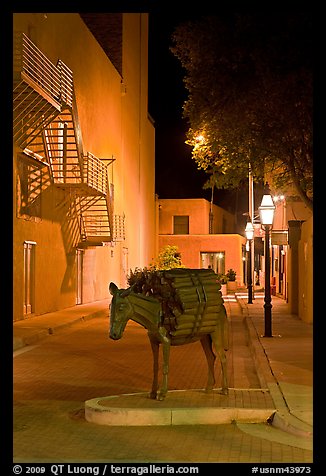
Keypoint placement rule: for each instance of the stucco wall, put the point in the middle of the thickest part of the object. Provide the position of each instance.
(190, 247)
(198, 211)
(114, 123)
(306, 272)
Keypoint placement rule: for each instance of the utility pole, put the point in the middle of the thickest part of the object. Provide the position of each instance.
(251, 217)
(211, 210)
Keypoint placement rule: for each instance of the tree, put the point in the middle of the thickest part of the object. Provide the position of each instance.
(149, 280)
(168, 258)
(249, 83)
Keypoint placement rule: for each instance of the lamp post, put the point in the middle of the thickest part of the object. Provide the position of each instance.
(249, 231)
(266, 212)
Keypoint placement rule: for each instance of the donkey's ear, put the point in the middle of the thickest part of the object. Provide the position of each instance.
(113, 288)
(127, 291)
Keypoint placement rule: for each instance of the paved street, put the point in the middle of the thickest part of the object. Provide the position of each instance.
(54, 378)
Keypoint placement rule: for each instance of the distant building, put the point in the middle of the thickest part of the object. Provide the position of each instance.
(84, 153)
(205, 236)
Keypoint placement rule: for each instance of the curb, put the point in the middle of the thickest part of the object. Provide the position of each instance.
(40, 334)
(102, 411)
(282, 418)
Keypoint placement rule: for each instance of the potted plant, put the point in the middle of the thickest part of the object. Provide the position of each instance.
(223, 281)
(232, 284)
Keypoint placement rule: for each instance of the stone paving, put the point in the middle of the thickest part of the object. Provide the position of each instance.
(55, 376)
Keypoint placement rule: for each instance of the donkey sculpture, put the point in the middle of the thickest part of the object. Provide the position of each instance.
(197, 313)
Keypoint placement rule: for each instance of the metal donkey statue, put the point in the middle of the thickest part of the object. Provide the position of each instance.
(198, 314)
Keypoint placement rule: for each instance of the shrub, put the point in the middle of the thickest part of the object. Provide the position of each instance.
(168, 258)
(147, 280)
(231, 274)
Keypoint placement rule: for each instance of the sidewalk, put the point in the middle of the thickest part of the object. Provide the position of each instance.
(30, 331)
(284, 362)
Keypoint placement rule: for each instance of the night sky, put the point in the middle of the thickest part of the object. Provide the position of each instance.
(176, 175)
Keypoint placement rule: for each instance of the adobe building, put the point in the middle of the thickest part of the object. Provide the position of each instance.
(83, 158)
(204, 235)
(291, 251)
(292, 254)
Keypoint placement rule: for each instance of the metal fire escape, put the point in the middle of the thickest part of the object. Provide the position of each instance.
(46, 128)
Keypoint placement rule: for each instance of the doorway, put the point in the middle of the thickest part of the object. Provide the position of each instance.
(214, 260)
(29, 276)
(79, 275)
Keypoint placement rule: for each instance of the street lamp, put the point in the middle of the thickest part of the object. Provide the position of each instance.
(266, 212)
(249, 231)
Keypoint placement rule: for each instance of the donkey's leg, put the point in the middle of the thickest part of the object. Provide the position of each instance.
(206, 343)
(218, 341)
(225, 330)
(166, 357)
(155, 351)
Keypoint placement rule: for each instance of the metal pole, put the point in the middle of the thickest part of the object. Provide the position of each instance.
(251, 215)
(267, 298)
(249, 275)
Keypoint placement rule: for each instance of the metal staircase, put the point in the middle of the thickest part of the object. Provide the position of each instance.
(63, 149)
(96, 222)
(46, 127)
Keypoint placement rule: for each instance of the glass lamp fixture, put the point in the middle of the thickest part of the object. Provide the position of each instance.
(249, 231)
(266, 210)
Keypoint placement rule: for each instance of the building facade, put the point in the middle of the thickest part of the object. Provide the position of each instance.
(83, 159)
(292, 254)
(204, 235)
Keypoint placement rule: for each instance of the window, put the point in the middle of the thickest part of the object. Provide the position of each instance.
(214, 260)
(181, 225)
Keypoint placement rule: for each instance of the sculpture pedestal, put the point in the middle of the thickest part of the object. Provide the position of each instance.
(180, 407)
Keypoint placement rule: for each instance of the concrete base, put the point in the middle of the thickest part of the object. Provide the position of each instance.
(138, 410)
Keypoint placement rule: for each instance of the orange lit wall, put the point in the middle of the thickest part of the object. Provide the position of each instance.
(198, 211)
(199, 240)
(114, 123)
(306, 283)
(190, 247)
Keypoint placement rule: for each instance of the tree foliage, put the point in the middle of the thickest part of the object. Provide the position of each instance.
(249, 83)
(150, 280)
(168, 258)
(149, 277)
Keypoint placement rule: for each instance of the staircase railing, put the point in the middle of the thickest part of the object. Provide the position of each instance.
(95, 175)
(56, 81)
(46, 119)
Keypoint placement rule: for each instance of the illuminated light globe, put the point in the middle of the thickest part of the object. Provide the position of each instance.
(249, 231)
(266, 210)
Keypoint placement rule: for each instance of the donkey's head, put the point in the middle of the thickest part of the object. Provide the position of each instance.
(121, 310)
